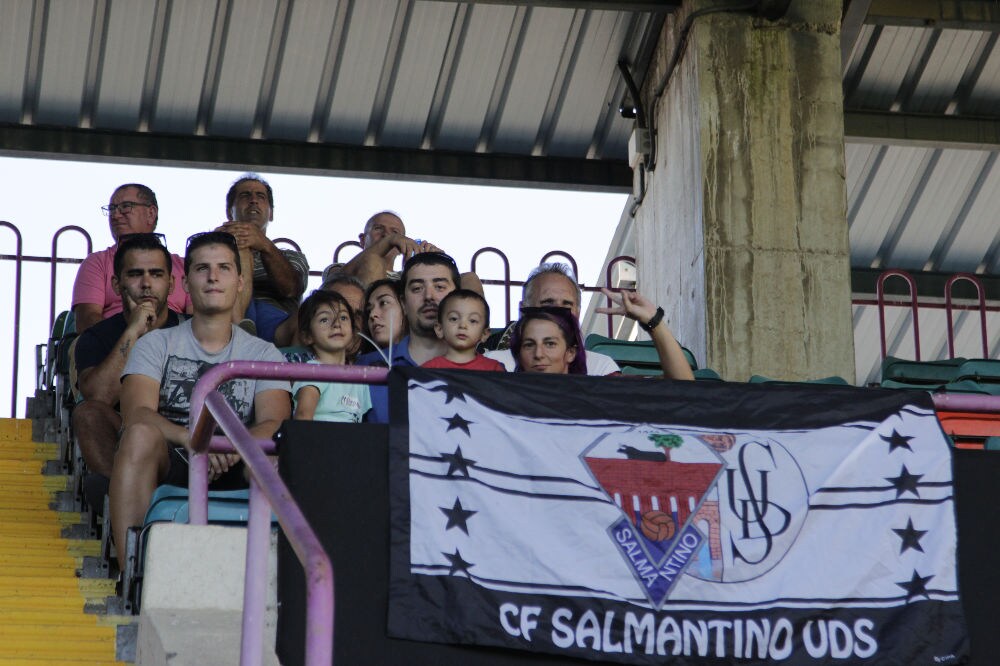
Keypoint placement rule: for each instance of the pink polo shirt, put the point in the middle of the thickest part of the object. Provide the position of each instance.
(93, 284)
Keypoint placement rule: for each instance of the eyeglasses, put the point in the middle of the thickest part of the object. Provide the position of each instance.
(159, 238)
(124, 207)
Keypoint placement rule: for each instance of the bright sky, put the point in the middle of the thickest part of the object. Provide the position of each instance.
(319, 213)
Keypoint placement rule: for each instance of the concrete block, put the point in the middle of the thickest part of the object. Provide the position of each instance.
(192, 638)
(192, 599)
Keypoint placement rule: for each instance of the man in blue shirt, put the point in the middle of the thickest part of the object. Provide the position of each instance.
(427, 278)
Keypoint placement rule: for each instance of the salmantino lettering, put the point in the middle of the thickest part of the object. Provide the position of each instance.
(665, 635)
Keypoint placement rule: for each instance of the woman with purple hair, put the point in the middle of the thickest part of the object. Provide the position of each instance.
(548, 339)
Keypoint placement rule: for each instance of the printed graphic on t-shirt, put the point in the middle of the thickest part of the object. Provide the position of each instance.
(179, 377)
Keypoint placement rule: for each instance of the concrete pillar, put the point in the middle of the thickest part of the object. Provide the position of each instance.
(742, 233)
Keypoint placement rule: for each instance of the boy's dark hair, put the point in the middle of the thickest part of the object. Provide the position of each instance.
(431, 259)
(211, 238)
(320, 297)
(465, 294)
(129, 242)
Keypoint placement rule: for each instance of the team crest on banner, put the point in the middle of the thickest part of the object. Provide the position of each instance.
(639, 521)
(666, 486)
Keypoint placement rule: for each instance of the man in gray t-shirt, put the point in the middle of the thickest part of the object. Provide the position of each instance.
(160, 375)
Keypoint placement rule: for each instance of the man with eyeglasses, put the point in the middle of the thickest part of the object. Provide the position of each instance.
(160, 375)
(132, 210)
(427, 278)
(142, 278)
(279, 276)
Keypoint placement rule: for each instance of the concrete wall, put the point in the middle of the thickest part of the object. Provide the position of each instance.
(743, 234)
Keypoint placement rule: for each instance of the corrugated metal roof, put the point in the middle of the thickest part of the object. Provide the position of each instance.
(476, 78)
(922, 205)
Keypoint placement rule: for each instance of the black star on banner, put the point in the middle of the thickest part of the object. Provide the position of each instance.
(457, 462)
(450, 392)
(456, 422)
(459, 565)
(910, 536)
(915, 587)
(905, 482)
(457, 516)
(897, 441)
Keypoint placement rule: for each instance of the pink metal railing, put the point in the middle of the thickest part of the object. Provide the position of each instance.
(506, 283)
(914, 304)
(54, 262)
(880, 295)
(882, 301)
(18, 265)
(981, 294)
(267, 493)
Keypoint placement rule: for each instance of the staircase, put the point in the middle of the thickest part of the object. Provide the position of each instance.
(42, 597)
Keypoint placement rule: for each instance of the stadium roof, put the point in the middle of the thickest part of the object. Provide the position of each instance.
(511, 92)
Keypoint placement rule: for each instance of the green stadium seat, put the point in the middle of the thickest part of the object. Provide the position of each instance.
(921, 372)
(832, 380)
(296, 354)
(707, 374)
(640, 354)
(992, 444)
(906, 386)
(971, 386)
(636, 371)
(983, 371)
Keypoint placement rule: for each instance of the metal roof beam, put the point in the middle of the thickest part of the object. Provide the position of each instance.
(930, 284)
(657, 6)
(929, 131)
(943, 14)
(315, 158)
(850, 28)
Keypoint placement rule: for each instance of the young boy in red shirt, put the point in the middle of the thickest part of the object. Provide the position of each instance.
(463, 322)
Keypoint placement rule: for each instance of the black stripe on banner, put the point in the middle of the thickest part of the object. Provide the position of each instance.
(720, 405)
(509, 491)
(875, 505)
(693, 603)
(510, 475)
(879, 489)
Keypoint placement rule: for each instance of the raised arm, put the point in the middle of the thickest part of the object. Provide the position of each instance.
(637, 307)
(284, 276)
(101, 382)
(371, 263)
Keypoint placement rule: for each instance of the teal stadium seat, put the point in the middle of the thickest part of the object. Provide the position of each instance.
(638, 354)
(927, 375)
(971, 386)
(980, 370)
(170, 504)
(832, 380)
(296, 354)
